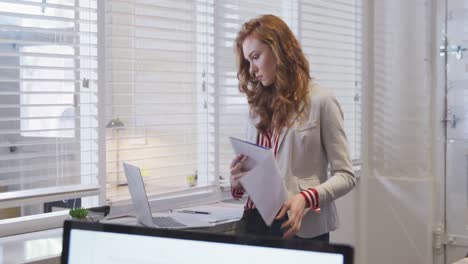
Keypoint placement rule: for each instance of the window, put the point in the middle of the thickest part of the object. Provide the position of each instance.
(160, 86)
(173, 84)
(172, 80)
(330, 34)
(47, 113)
(170, 97)
(48, 105)
(231, 105)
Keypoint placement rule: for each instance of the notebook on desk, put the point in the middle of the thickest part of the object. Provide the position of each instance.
(172, 220)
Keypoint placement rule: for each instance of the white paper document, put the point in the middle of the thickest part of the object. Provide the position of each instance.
(262, 181)
(217, 213)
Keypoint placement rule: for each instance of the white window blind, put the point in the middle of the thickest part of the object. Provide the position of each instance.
(48, 101)
(172, 86)
(160, 86)
(330, 34)
(231, 104)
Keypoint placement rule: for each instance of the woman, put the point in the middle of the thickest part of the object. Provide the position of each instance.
(300, 122)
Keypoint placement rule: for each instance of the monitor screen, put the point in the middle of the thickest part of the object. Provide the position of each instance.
(99, 243)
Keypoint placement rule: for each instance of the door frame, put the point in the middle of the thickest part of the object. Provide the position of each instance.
(439, 83)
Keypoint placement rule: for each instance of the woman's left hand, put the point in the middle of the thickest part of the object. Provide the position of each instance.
(295, 206)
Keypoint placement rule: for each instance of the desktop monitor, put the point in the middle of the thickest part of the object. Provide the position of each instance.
(87, 242)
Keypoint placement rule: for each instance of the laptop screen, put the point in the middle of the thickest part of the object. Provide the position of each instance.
(104, 243)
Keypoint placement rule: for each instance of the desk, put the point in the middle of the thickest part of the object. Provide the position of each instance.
(45, 247)
(225, 228)
(37, 247)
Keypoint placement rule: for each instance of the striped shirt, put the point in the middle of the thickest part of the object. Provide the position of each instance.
(268, 140)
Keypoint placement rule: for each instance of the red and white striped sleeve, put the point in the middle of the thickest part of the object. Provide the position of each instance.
(237, 193)
(312, 199)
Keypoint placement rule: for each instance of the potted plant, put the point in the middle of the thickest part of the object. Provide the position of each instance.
(79, 214)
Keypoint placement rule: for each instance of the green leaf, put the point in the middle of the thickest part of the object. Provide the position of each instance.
(78, 212)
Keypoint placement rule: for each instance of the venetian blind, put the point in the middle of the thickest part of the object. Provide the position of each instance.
(48, 99)
(330, 34)
(159, 79)
(172, 86)
(231, 104)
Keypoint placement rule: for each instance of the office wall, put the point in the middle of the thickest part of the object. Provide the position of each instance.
(396, 209)
(348, 212)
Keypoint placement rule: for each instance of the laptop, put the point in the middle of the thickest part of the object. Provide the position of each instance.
(88, 242)
(171, 220)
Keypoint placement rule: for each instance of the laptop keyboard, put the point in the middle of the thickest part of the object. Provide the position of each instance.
(166, 221)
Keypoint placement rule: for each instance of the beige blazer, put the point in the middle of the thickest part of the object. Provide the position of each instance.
(306, 150)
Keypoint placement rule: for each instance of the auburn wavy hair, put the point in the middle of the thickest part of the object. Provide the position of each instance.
(275, 105)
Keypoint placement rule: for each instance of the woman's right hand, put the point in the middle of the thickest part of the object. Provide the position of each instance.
(237, 170)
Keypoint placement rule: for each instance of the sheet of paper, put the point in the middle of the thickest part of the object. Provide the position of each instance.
(219, 212)
(255, 153)
(263, 181)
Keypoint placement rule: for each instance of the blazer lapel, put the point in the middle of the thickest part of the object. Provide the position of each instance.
(285, 130)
